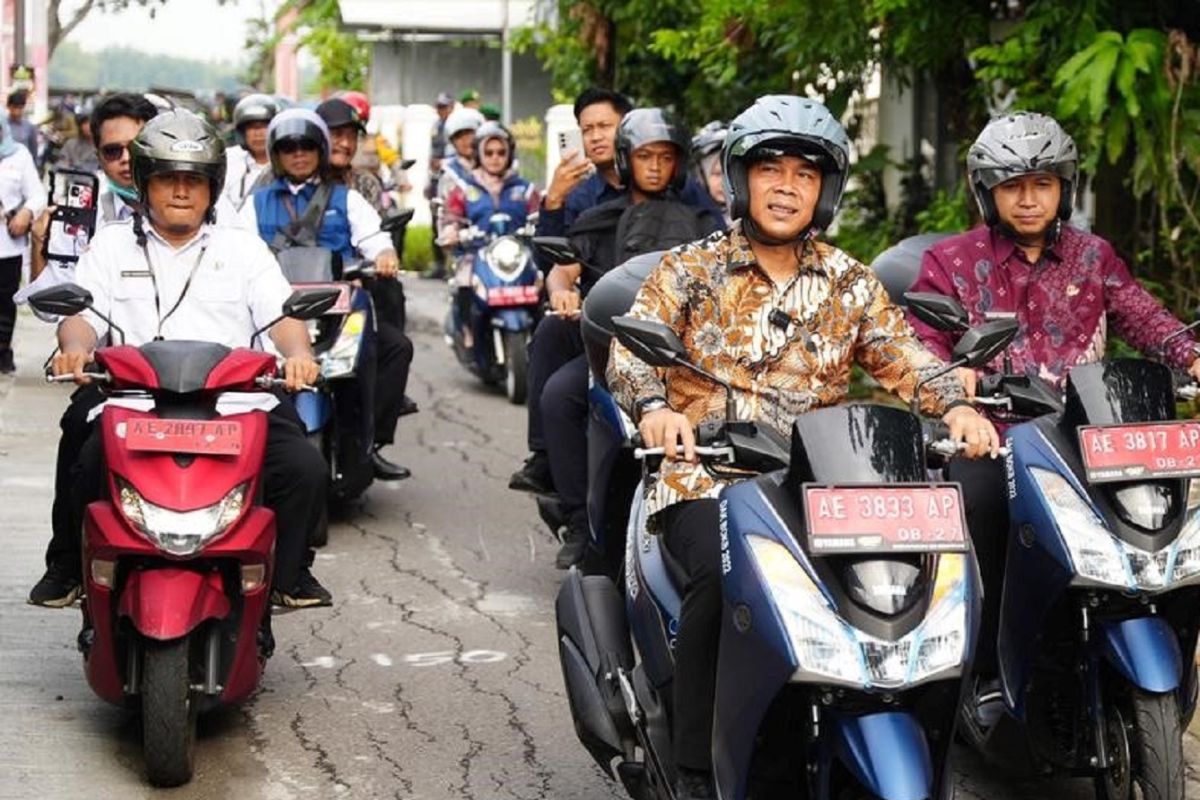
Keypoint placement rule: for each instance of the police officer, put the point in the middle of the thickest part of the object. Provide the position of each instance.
(175, 275)
(299, 145)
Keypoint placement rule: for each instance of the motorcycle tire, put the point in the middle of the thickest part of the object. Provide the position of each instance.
(1155, 751)
(168, 713)
(516, 366)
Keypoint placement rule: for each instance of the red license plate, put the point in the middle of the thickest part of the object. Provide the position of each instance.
(1140, 451)
(923, 518)
(211, 437)
(513, 296)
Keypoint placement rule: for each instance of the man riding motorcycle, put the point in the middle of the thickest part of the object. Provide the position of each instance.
(248, 158)
(491, 188)
(298, 142)
(781, 317)
(1063, 285)
(181, 277)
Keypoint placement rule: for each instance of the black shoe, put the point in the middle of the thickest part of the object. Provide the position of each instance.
(408, 406)
(989, 702)
(7, 367)
(307, 593)
(58, 588)
(693, 784)
(386, 470)
(534, 476)
(574, 541)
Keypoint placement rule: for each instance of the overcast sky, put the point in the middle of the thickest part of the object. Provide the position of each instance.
(202, 29)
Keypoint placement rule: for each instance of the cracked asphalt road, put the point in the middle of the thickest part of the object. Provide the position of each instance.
(435, 674)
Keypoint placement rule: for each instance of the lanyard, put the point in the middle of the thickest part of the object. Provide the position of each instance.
(162, 319)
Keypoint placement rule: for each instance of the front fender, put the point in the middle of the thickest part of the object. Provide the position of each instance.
(887, 752)
(168, 603)
(1145, 651)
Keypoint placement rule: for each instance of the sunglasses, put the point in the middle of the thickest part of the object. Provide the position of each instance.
(495, 153)
(113, 152)
(289, 146)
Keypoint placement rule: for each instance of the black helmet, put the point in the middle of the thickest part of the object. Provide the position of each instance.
(253, 108)
(302, 124)
(1018, 144)
(494, 130)
(643, 126)
(178, 141)
(794, 126)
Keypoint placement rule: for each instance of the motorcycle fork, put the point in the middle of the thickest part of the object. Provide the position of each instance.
(1089, 668)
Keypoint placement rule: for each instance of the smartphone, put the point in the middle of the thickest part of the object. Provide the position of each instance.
(571, 139)
(74, 195)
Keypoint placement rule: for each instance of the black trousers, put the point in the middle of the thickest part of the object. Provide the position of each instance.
(564, 426)
(64, 538)
(295, 481)
(555, 342)
(394, 359)
(10, 281)
(692, 537)
(986, 497)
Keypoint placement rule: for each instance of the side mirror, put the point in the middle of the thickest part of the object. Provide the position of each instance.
(407, 163)
(394, 222)
(981, 344)
(305, 304)
(937, 311)
(63, 300)
(652, 342)
(556, 248)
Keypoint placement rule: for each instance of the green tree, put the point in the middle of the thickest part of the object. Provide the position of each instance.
(343, 61)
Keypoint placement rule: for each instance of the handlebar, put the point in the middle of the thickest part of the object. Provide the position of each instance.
(948, 448)
(99, 377)
(722, 453)
(264, 382)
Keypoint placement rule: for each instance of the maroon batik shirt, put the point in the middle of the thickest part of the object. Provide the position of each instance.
(1064, 303)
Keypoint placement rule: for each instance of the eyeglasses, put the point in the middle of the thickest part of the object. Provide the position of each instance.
(495, 153)
(114, 151)
(289, 146)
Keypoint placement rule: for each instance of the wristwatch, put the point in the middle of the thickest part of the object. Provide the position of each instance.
(644, 406)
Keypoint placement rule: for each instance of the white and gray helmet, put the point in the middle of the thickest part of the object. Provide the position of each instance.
(462, 119)
(1021, 143)
(793, 126)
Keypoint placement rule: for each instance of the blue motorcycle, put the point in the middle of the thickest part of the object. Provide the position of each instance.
(490, 336)
(1101, 600)
(851, 598)
(339, 416)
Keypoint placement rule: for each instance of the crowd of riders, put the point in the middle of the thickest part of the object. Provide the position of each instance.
(750, 287)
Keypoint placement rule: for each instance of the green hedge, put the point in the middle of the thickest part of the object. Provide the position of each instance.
(418, 248)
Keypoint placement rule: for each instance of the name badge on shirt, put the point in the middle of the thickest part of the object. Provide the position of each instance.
(135, 273)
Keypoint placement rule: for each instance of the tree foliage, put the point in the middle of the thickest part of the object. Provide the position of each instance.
(124, 68)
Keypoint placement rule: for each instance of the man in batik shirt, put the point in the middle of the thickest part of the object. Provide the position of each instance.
(786, 162)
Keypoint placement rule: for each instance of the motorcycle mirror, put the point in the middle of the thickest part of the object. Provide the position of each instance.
(394, 222)
(981, 344)
(556, 248)
(305, 304)
(651, 342)
(63, 300)
(937, 311)
(407, 163)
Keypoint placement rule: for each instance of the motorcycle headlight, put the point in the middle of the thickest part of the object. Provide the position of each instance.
(1100, 557)
(342, 358)
(831, 650)
(181, 533)
(506, 256)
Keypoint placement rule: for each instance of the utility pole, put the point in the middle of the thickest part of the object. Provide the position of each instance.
(505, 68)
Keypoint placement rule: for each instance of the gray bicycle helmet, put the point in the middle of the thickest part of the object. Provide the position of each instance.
(253, 108)
(1019, 144)
(297, 123)
(494, 130)
(793, 126)
(643, 126)
(178, 141)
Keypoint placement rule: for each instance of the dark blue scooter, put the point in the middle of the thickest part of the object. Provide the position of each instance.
(840, 668)
(1101, 602)
(506, 288)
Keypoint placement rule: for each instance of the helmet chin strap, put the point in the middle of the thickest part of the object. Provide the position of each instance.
(1051, 236)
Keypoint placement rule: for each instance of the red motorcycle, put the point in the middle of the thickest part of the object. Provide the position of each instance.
(177, 560)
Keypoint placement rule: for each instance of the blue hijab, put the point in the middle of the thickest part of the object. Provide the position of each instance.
(8, 145)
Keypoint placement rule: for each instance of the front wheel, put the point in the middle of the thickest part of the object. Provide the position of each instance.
(168, 713)
(1146, 750)
(516, 366)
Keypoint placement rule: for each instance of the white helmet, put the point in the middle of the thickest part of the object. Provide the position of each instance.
(462, 119)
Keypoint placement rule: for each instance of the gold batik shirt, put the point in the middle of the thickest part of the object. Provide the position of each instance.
(714, 295)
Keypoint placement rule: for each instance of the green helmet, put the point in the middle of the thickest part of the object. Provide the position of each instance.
(178, 141)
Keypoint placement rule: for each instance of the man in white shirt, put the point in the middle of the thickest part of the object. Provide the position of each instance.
(248, 157)
(181, 277)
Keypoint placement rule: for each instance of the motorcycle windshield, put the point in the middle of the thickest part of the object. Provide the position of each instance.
(1116, 392)
(857, 444)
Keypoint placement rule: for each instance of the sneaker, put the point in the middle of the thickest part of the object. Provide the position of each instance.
(534, 476)
(307, 593)
(574, 542)
(58, 588)
(387, 470)
(7, 367)
(693, 784)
